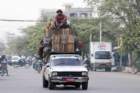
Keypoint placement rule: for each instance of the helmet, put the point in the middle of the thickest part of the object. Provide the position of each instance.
(59, 10)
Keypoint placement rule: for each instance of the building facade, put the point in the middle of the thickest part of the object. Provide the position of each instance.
(71, 12)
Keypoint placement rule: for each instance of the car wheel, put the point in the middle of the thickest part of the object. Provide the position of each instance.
(85, 85)
(77, 86)
(108, 69)
(45, 83)
(51, 85)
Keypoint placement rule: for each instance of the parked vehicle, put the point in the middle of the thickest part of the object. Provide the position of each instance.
(14, 60)
(17, 61)
(101, 55)
(29, 60)
(21, 62)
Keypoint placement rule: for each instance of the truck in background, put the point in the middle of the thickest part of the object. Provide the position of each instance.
(101, 55)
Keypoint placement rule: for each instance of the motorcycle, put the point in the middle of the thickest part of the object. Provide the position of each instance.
(38, 65)
(0, 70)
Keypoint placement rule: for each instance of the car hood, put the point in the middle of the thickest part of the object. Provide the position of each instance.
(68, 68)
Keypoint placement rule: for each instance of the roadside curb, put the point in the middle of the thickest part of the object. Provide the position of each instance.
(130, 70)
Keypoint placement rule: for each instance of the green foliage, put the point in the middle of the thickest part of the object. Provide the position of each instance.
(17, 45)
(83, 27)
(34, 36)
(127, 15)
(2, 48)
(27, 44)
(119, 19)
(86, 27)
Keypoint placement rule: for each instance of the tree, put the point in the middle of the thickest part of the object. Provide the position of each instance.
(2, 48)
(17, 46)
(29, 43)
(83, 27)
(34, 35)
(126, 13)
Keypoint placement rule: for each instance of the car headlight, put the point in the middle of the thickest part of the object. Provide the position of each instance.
(84, 73)
(54, 73)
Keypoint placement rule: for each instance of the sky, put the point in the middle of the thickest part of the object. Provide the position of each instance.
(28, 10)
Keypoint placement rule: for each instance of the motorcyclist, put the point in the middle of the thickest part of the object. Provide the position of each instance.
(4, 63)
(0, 66)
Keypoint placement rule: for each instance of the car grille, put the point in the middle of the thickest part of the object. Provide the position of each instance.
(71, 74)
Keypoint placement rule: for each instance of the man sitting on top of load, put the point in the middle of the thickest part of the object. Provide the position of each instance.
(60, 19)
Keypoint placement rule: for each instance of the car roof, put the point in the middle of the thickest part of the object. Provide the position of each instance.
(15, 57)
(57, 56)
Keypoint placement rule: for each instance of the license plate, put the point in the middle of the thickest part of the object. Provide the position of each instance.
(69, 79)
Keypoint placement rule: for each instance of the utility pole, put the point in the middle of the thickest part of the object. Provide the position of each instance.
(121, 54)
(100, 16)
(100, 31)
(90, 37)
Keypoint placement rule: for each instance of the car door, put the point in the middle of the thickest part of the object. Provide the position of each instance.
(47, 70)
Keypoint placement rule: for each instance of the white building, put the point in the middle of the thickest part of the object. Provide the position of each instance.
(78, 12)
(71, 12)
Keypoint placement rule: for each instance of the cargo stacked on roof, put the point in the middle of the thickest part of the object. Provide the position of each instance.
(63, 40)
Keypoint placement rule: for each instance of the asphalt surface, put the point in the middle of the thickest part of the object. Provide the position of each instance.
(26, 80)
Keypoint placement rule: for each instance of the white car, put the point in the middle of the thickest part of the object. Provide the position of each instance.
(65, 69)
(15, 60)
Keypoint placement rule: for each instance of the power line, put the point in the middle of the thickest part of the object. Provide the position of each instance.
(18, 20)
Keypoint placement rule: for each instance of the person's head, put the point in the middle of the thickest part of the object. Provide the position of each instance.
(59, 12)
(3, 56)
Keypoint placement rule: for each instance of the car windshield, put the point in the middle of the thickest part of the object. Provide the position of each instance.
(102, 55)
(66, 62)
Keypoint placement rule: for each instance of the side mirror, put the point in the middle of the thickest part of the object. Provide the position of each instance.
(84, 64)
(48, 65)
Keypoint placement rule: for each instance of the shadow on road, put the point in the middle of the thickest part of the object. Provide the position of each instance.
(62, 88)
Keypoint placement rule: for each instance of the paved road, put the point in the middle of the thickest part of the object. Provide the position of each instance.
(23, 80)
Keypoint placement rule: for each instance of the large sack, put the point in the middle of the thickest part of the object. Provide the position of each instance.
(63, 41)
(70, 43)
(48, 29)
(56, 42)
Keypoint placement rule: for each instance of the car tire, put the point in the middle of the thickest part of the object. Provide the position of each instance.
(77, 86)
(85, 85)
(51, 85)
(45, 83)
(108, 69)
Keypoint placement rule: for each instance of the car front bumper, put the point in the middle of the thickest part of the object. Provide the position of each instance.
(62, 80)
(102, 65)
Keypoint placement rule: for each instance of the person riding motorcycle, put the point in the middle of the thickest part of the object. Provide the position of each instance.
(4, 65)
